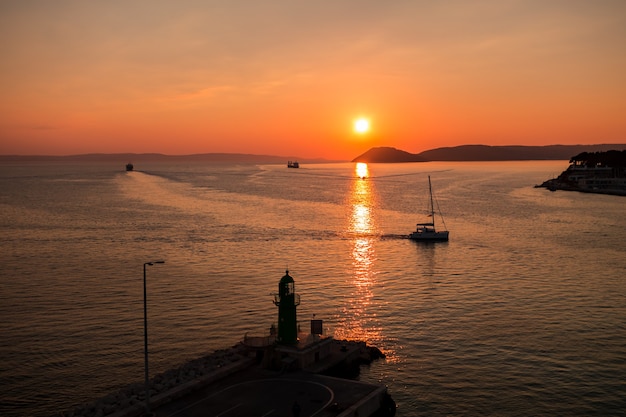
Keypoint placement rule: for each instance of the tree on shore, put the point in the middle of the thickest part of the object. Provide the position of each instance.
(613, 159)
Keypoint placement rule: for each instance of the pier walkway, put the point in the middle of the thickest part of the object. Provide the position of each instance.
(252, 380)
(249, 389)
(258, 393)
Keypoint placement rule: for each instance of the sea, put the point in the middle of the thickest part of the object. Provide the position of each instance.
(521, 313)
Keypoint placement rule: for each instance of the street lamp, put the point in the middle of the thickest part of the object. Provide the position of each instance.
(145, 332)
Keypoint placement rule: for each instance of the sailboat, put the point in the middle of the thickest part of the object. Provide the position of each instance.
(426, 232)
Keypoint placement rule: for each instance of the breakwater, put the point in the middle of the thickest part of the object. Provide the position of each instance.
(176, 383)
(130, 400)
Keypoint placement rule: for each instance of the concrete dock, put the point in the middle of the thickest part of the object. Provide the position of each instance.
(251, 389)
(241, 381)
(253, 393)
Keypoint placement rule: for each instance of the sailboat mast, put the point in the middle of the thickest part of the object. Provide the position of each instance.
(432, 205)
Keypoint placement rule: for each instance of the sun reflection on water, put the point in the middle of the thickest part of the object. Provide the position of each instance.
(358, 319)
(362, 170)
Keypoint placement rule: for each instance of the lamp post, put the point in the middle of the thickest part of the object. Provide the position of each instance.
(145, 332)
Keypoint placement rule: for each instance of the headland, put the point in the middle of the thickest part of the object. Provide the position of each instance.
(593, 172)
(482, 153)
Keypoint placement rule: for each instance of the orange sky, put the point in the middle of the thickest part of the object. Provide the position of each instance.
(288, 78)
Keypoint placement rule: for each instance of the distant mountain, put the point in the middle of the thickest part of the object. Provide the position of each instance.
(157, 157)
(385, 154)
(374, 155)
(483, 153)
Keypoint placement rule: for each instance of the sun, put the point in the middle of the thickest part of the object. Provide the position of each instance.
(361, 125)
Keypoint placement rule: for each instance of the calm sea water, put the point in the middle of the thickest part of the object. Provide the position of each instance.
(522, 312)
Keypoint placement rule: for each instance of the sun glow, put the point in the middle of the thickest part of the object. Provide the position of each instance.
(361, 125)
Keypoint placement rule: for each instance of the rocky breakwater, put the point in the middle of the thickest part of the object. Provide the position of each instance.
(176, 383)
(130, 401)
(350, 366)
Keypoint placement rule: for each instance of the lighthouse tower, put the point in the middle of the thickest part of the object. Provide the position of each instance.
(286, 299)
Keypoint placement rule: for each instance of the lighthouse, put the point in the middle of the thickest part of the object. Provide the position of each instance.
(287, 300)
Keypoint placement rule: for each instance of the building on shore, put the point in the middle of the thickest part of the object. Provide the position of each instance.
(599, 172)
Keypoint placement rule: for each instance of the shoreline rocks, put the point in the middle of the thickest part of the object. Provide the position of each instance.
(130, 400)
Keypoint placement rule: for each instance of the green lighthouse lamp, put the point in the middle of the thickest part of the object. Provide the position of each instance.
(287, 300)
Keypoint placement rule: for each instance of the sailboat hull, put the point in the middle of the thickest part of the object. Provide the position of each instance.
(429, 236)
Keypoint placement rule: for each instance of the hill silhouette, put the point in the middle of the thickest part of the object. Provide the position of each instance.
(483, 153)
(157, 157)
(374, 155)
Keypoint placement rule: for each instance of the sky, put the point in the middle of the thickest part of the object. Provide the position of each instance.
(288, 77)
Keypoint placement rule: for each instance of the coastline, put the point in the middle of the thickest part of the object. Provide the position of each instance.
(596, 173)
(555, 185)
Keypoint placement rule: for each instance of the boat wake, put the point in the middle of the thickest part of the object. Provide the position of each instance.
(394, 236)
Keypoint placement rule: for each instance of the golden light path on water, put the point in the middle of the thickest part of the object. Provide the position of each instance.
(359, 321)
